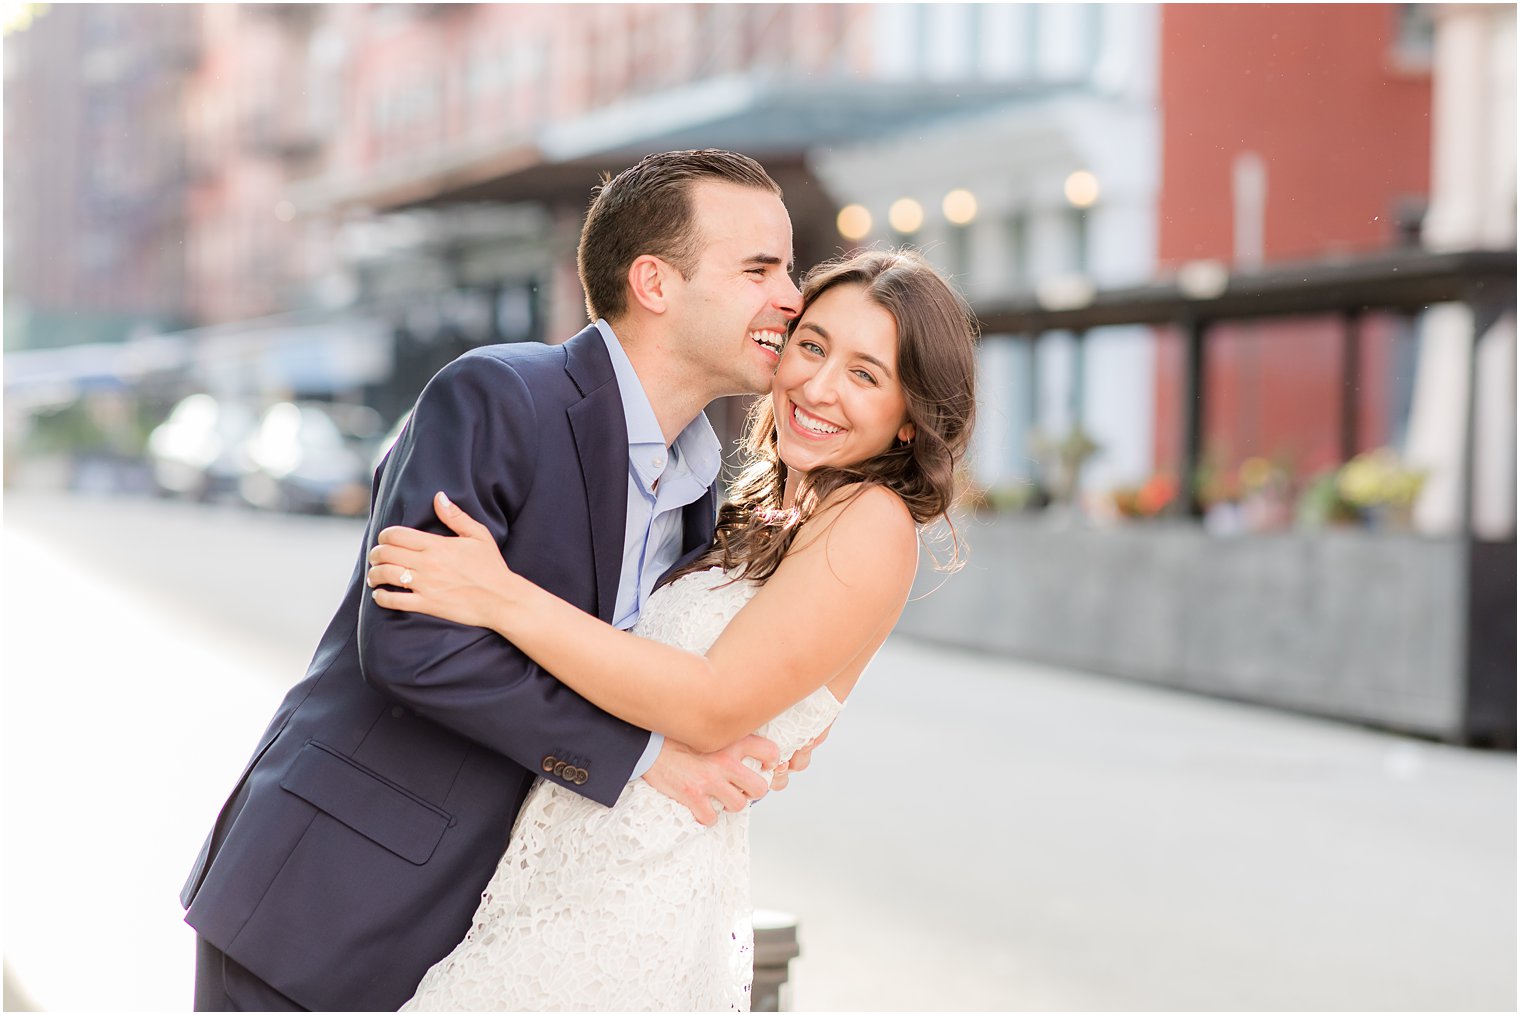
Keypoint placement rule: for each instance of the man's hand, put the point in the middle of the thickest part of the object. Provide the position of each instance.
(782, 773)
(698, 781)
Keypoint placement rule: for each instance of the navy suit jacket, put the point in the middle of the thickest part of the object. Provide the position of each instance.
(353, 851)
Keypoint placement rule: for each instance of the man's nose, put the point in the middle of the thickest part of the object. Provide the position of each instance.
(789, 301)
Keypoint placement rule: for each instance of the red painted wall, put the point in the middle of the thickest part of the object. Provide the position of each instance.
(1318, 92)
(1274, 391)
(1311, 88)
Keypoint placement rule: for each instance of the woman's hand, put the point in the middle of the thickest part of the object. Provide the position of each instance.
(462, 579)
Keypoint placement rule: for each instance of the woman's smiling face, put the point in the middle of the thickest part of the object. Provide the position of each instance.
(837, 395)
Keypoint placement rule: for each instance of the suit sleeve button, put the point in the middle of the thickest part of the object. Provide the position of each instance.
(549, 761)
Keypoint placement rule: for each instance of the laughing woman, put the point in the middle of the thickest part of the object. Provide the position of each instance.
(638, 907)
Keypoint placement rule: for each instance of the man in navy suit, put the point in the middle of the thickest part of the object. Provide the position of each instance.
(353, 850)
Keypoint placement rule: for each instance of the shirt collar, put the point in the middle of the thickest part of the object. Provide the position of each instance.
(697, 446)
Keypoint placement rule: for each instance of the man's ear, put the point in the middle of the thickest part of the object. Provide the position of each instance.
(649, 279)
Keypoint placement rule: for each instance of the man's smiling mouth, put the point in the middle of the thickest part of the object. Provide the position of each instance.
(772, 340)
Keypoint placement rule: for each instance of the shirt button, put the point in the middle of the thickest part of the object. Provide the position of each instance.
(659, 461)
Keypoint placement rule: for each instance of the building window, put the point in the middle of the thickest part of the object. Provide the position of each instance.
(975, 61)
(918, 34)
(1020, 252)
(1414, 38)
(1065, 40)
(1030, 39)
(947, 42)
(1090, 36)
(1078, 228)
(958, 255)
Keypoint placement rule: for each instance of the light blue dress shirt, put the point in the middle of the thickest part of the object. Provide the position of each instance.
(661, 483)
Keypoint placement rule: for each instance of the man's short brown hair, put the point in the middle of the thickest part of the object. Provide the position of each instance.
(647, 209)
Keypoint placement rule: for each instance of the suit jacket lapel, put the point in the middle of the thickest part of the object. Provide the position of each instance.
(600, 430)
(696, 528)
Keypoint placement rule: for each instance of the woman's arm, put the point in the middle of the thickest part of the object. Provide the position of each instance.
(475, 431)
(833, 599)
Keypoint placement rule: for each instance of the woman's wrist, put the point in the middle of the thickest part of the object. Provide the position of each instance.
(511, 604)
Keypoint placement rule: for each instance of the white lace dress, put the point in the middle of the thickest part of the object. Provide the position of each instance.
(636, 907)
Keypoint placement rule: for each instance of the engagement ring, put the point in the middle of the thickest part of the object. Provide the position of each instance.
(405, 578)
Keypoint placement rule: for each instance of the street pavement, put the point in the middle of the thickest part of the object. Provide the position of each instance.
(977, 834)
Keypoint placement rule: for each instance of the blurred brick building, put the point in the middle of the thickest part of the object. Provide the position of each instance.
(1289, 133)
(95, 173)
(337, 199)
(259, 115)
(422, 171)
(332, 201)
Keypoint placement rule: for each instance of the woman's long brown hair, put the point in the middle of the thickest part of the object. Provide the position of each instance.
(936, 363)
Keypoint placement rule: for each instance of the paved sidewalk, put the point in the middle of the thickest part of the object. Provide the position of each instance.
(977, 833)
(980, 834)
(124, 730)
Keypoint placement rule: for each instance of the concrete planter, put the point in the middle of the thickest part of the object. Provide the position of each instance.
(1370, 627)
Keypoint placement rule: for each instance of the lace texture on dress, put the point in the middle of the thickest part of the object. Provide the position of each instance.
(630, 908)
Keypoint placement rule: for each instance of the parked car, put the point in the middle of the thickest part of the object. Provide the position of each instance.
(312, 456)
(197, 452)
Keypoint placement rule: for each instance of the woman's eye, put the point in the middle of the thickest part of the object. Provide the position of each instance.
(812, 347)
(863, 375)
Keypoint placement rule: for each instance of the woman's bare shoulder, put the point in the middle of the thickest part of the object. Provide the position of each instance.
(865, 505)
(866, 532)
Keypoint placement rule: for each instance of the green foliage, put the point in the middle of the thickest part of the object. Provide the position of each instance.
(66, 430)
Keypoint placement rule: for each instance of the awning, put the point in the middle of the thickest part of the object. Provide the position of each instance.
(770, 119)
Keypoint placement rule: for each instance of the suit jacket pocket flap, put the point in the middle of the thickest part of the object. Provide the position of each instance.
(377, 809)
